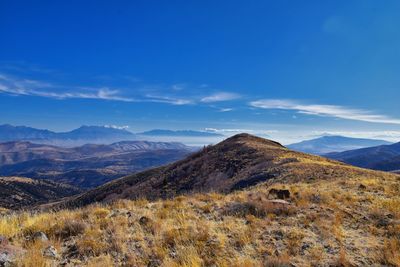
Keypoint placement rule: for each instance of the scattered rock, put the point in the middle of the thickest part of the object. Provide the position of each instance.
(172, 254)
(120, 212)
(278, 234)
(279, 201)
(213, 243)
(113, 213)
(382, 222)
(6, 258)
(154, 263)
(329, 249)
(9, 253)
(315, 198)
(70, 250)
(304, 247)
(39, 236)
(144, 220)
(50, 252)
(278, 193)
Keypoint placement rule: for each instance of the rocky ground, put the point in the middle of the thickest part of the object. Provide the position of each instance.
(345, 222)
(275, 207)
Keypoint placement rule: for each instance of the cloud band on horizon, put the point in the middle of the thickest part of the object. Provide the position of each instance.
(334, 111)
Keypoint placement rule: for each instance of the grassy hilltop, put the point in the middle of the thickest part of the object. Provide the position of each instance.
(334, 215)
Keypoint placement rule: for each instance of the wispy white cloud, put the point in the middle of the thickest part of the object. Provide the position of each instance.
(168, 100)
(17, 86)
(102, 93)
(14, 85)
(225, 109)
(177, 87)
(220, 97)
(324, 110)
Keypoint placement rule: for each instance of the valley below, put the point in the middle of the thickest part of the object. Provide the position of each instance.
(246, 201)
(86, 166)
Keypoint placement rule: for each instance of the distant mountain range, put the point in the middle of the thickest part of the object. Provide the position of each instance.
(88, 165)
(84, 134)
(328, 144)
(384, 158)
(92, 134)
(187, 133)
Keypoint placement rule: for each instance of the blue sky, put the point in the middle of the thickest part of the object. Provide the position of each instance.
(288, 70)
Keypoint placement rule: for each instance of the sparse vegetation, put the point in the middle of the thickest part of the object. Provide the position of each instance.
(322, 217)
(316, 227)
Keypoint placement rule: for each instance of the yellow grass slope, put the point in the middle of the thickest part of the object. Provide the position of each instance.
(336, 215)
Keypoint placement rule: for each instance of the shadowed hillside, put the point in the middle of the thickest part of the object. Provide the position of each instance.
(238, 162)
(19, 192)
(384, 158)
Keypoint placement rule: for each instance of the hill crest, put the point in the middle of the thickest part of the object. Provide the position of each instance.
(238, 162)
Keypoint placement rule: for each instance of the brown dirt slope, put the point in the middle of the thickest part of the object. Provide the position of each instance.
(236, 163)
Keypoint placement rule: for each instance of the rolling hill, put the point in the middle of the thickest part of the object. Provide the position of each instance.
(236, 163)
(21, 192)
(246, 201)
(328, 144)
(384, 158)
(86, 166)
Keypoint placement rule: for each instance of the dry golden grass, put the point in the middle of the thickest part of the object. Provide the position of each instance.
(336, 223)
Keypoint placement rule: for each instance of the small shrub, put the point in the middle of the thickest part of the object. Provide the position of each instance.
(342, 260)
(9, 226)
(294, 239)
(101, 261)
(379, 217)
(33, 257)
(240, 209)
(277, 261)
(391, 252)
(91, 243)
(259, 206)
(100, 212)
(174, 236)
(392, 205)
(245, 262)
(207, 208)
(69, 229)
